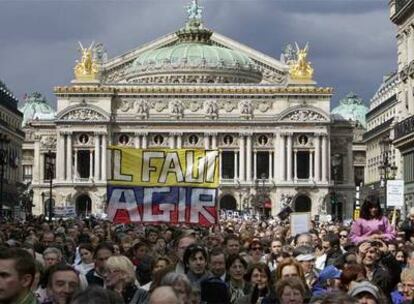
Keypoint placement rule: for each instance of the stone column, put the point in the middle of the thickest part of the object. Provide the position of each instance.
(172, 140)
(350, 161)
(144, 141)
(206, 141)
(295, 165)
(324, 158)
(69, 174)
(235, 165)
(255, 165)
(179, 140)
(137, 141)
(282, 160)
(90, 164)
(289, 157)
(104, 157)
(76, 173)
(310, 165)
(270, 165)
(249, 158)
(42, 167)
(241, 159)
(60, 156)
(220, 165)
(276, 142)
(317, 158)
(214, 141)
(36, 163)
(97, 157)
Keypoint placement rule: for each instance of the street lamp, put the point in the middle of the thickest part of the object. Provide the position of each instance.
(49, 171)
(261, 193)
(4, 140)
(386, 166)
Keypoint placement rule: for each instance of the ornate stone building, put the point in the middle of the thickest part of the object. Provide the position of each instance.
(196, 88)
(402, 15)
(11, 139)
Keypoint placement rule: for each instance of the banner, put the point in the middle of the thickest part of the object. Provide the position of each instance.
(61, 211)
(163, 185)
(395, 193)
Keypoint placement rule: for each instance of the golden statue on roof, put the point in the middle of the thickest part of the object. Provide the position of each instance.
(86, 69)
(299, 66)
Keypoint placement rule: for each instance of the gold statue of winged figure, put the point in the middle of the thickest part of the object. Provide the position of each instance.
(86, 68)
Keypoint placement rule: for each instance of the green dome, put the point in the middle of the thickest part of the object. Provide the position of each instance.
(352, 108)
(36, 108)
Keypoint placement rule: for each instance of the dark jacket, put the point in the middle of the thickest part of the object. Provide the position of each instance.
(135, 295)
(408, 227)
(94, 279)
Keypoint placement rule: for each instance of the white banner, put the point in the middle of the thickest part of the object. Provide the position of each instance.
(299, 222)
(61, 211)
(395, 193)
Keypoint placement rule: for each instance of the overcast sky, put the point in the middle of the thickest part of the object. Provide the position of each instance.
(352, 42)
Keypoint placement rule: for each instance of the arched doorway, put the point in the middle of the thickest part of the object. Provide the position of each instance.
(83, 205)
(302, 204)
(228, 202)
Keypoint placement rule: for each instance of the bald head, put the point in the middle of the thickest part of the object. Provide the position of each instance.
(163, 295)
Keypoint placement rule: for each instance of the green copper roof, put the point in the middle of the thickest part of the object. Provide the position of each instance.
(36, 108)
(352, 107)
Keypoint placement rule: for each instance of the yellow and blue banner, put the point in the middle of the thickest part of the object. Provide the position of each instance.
(163, 185)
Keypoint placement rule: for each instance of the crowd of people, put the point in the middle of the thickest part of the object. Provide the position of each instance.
(238, 261)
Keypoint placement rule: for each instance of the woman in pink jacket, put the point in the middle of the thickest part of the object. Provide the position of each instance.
(372, 224)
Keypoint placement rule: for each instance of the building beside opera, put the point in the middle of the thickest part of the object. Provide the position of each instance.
(11, 140)
(402, 15)
(198, 89)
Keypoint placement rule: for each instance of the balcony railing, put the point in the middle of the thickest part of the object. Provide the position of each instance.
(404, 127)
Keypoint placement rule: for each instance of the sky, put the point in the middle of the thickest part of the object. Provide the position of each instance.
(352, 42)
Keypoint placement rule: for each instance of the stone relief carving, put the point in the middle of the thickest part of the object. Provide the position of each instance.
(304, 115)
(48, 141)
(264, 106)
(176, 108)
(160, 105)
(125, 105)
(193, 105)
(271, 76)
(246, 108)
(227, 105)
(141, 107)
(83, 114)
(211, 109)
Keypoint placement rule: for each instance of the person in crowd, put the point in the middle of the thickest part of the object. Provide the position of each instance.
(350, 274)
(401, 258)
(365, 292)
(164, 295)
(331, 251)
(87, 263)
(196, 261)
(97, 295)
(142, 261)
(407, 226)
(303, 239)
(102, 253)
(52, 256)
(372, 224)
(17, 272)
(120, 277)
(63, 282)
(259, 277)
(290, 291)
(306, 257)
(181, 285)
(157, 264)
(183, 242)
(276, 246)
(343, 238)
(327, 281)
(218, 263)
(47, 240)
(256, 252)
(232, 244)
(236, 268)
(407, 281)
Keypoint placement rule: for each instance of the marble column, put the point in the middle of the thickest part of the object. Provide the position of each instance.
(289, 157)
(214, 141)
(324, 158)
(206, 141)
(76, 173)
(255, 165)
(172, 141)
(295, 165)
(276, 143)
(97, 156)
(317, 158)
(241, 158)
(310, 165)
(137, 140)
(36, 163)
(220, 165)
(235, 165)
(282, 160)
(270, 165)
(249, 158)
(60, 156)
(179, 140)
(69, 159)
(42, 167)
(144, 140)
(104, 157)
(90, 164)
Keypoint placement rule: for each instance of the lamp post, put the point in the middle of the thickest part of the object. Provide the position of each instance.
(261, 193)
(49, 171)
(4, 140)
(386, 166)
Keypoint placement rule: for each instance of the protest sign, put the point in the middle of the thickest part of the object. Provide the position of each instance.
(299, 222)
(163, 185)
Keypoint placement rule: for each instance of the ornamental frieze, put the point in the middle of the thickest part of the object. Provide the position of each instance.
(304, 115)
(211, 109)
(263, 106)
(246, 108)
(176, 108)
(48, 141)
(160, 105)
(227, 105)
(83, 114)
(193, 105)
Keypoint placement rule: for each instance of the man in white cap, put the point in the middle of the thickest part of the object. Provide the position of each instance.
(305, 255)
(408, 225)
(365, 292)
